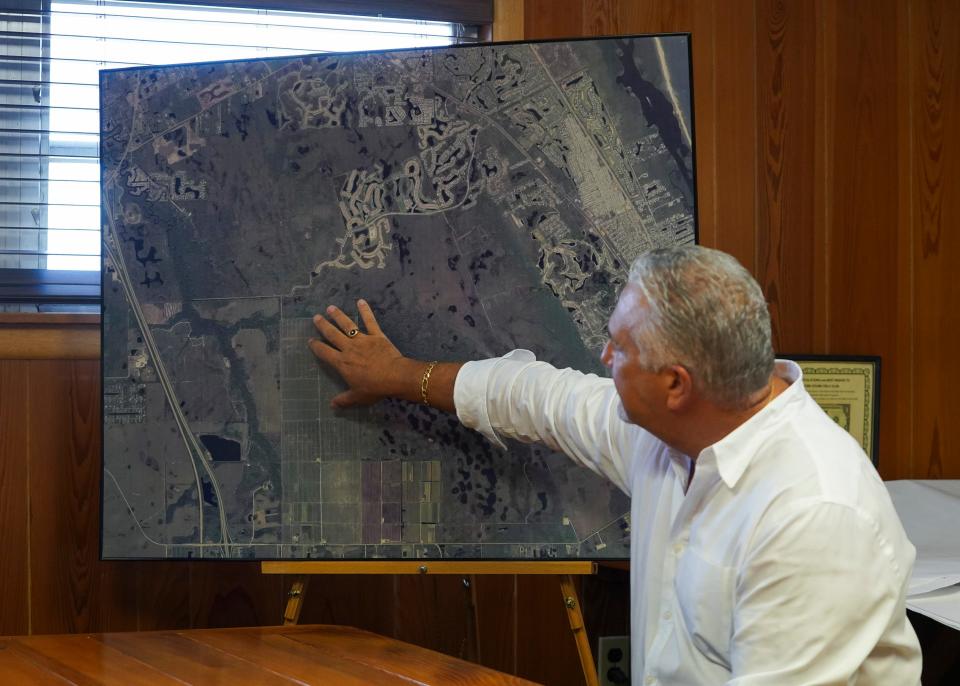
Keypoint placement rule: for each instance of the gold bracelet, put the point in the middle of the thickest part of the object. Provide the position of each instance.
(425, 381)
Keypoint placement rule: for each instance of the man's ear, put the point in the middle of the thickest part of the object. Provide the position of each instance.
(679, 388)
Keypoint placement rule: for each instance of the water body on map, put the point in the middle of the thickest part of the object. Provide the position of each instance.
(480, 198)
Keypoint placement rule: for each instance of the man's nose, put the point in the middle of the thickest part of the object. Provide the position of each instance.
(607, 354)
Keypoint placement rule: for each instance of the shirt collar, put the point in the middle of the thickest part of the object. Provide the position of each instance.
(733, 452)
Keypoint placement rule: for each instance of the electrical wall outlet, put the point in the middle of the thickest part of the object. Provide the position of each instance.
(613, 663)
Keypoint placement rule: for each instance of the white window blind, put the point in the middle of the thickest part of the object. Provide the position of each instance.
(49, 119)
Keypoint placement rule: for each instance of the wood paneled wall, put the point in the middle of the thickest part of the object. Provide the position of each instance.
(828, 162)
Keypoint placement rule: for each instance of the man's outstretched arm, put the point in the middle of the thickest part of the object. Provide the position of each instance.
(373, 367)
(510, 397)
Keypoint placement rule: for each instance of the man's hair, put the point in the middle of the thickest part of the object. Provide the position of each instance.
(707, 313)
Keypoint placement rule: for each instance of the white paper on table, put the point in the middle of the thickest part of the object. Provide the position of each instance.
(942, 605)
(930, 512)
(931, 575)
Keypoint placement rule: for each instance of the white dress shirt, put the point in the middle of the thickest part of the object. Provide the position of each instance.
(783, 563)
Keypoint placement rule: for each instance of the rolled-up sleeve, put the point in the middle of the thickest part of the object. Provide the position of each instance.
(515, 396)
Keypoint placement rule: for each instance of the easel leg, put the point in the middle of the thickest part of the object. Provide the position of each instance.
(295, 596)
(575, 615)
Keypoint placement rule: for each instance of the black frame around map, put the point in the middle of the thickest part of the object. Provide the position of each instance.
(481, 197)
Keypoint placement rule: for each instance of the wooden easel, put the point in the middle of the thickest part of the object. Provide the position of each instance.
(565, 570)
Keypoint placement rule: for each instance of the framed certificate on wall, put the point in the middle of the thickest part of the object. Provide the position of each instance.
(847, 387)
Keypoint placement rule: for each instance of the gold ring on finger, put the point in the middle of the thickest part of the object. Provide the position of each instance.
(352, 333)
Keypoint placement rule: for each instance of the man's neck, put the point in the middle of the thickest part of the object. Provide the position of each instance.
(711, 423)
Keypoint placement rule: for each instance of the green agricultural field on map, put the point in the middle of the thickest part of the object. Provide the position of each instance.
(481, 199)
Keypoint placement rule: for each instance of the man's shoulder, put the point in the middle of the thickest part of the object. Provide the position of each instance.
(810, 455)
(812, 464)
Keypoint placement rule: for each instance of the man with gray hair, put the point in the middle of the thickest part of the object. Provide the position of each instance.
(764, 547)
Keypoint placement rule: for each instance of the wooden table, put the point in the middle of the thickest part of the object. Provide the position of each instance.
(318, 654)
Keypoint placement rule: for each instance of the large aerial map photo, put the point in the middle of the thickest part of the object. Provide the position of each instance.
(480, 198)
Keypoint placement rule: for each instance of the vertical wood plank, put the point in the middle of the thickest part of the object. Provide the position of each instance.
(508, 20)
(824, 134)
(431, 611)
(115, 593)
(600, 17)
(14, 498)
(234, 593)
(906, 344)
(63, 503)
(786, 39)
(552, 19)
(863, 276)
(496, 621)
(365, 602)
(71, 590)
(606, 603)
(659, 16)
(936, 146)
(546, 650)
(730, 182)
(163, 594)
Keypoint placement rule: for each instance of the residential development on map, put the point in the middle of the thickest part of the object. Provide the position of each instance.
(481, 198)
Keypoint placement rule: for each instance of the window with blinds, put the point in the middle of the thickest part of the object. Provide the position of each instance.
(50, 57)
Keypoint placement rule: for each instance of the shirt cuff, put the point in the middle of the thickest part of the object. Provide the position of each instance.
(472, 385)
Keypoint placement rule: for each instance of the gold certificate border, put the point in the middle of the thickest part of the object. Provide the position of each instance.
(869, 369)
